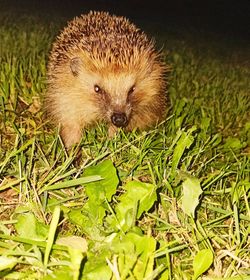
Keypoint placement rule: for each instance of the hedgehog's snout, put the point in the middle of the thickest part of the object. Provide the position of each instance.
(119, 119)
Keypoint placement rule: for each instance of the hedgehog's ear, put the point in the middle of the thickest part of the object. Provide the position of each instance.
(75, 64)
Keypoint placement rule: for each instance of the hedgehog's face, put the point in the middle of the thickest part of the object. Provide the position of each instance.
(114, 95)
(111, 91)
(122, 97)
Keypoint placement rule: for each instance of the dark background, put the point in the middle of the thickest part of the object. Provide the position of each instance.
(225, 17)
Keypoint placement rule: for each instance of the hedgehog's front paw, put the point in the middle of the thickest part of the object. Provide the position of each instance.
(71, 134)
(112, 131)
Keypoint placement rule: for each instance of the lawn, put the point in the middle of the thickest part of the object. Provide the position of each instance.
(168, 203)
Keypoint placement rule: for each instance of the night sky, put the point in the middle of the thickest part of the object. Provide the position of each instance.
(226, 18)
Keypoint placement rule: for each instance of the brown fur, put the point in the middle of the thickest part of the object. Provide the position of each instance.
(108, 51)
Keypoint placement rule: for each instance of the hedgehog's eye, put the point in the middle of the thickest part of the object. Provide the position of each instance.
(97, 89)
(132, 89)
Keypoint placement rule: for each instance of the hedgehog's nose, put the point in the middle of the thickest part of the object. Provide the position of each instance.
(119, 119)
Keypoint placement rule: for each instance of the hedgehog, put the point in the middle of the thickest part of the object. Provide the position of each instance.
(102, 68)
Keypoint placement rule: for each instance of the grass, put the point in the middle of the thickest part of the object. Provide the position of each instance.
(169, 203)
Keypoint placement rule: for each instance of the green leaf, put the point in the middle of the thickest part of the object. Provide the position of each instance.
(77, 246)
(90, 222)
(106, 188)
(74, 242)
(204, 125)
(138, 198)
(234, 143)
(136, 254)
(145, 247)
(28, 226)
(71, 183)
(64, 273)
(96, 268)
(7, 262)
(51, 235)
(90, 216)
(202, 261)
(184, 142)
(191, 192)
(144, 193)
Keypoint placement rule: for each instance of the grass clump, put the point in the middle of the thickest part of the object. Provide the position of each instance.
(169, 203)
